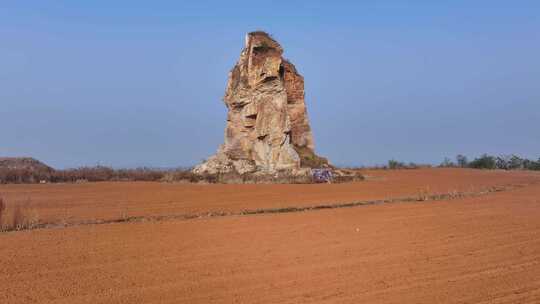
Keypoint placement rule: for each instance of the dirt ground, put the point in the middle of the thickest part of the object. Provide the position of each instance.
(483, 249)
(74, 203)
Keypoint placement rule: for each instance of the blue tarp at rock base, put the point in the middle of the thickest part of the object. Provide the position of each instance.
(322, 175)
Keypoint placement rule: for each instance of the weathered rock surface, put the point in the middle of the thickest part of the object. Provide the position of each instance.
(267, 124)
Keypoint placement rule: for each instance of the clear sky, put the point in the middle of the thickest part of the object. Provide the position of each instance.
(131, 83)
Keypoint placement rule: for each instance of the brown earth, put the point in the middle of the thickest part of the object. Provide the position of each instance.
(482, 249)
(74, 203)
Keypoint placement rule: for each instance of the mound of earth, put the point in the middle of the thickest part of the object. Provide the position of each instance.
(23, 170)
(24, 163)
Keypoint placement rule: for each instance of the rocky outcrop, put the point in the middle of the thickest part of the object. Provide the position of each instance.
(267, 124)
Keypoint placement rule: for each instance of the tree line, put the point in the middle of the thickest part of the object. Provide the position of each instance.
(486, 161)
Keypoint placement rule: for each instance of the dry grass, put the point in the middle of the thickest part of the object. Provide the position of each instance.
(17, 217)
(423, 194)
(91, 174)
(2, 210)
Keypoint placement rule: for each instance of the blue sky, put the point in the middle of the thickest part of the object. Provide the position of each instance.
(133, 83)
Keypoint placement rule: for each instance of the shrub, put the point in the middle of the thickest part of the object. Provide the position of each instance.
(502, 162)
(510, 162)
(17, 218)
(447, 163)
(413, 165)
(2, 209)
(484, 162)
(534, 165)
(531, 165)
(515, 162)
(21, 217)
(394, 164)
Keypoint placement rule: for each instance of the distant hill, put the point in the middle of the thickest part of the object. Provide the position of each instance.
(24, 163)
(23, 170)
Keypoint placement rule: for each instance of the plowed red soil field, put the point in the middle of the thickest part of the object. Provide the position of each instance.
(478, 249)
(105, 201)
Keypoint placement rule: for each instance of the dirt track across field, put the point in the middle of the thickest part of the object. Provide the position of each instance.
(474, 250)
